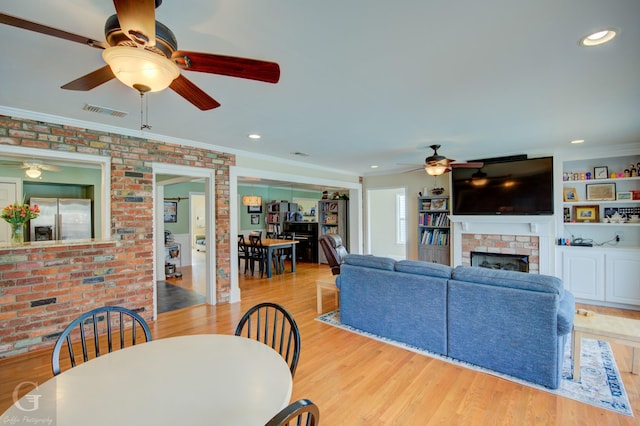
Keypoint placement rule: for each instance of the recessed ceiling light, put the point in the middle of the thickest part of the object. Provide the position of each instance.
(374, 166)
(597, 38)
(577, 141)
(254, 136)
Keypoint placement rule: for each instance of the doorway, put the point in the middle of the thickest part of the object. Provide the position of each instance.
(387, 222)
(164, 176)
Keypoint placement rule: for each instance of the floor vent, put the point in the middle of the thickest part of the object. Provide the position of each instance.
(103, 110)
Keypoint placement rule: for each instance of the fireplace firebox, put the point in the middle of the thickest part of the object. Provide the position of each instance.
(508, 262)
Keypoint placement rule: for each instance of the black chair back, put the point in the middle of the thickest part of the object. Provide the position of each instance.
(274, 326)
(303, 411)
(111, 320)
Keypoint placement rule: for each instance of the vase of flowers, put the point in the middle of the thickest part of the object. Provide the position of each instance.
(17, 215)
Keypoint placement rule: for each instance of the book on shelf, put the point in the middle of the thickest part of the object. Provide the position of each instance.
(435, 237)
(433, 219)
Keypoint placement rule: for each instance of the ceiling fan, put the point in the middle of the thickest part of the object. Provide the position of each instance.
(143, 54)
(436, 164)
(34, 167)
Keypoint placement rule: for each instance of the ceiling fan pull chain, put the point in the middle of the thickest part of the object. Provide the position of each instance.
(144, 125)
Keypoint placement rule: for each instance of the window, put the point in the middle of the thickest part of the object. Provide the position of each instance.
(401, 222)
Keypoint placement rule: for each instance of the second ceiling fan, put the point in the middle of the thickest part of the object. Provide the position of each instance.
(436, 165)
(143, 54)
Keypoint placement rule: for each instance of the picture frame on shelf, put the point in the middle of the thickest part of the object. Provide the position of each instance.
(601, 192)
(439, 204)
(254, 209)
(570, 195)
(586, 214)
(601, 172)
(255, 219)
(626, 195)
(567, 214)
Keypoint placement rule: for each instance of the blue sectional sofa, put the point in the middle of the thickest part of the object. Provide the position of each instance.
(510, 322)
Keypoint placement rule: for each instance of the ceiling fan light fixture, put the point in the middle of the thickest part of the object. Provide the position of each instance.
(33, 172)
(436, 170)
(141, 69)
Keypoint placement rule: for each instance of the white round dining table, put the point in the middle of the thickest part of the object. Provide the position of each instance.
(205, 379)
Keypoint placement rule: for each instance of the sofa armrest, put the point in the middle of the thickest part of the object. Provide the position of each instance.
(566, 312)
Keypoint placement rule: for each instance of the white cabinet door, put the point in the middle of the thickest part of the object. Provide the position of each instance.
(583, 274)
(623, 277)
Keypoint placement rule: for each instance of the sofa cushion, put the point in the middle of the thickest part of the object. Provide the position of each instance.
(418, 267)
(374, 262)
(512, 279)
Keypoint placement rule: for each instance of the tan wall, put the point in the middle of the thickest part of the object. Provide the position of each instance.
(43, 288)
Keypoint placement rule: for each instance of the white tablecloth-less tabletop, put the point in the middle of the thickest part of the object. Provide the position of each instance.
(205, 379)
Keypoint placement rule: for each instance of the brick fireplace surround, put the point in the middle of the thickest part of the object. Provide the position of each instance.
(526, 245)
(532, 236)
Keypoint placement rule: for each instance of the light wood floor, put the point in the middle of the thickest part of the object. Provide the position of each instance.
(359, 381)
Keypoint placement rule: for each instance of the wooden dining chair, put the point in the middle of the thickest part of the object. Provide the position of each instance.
(303, 411)
(112, 321)
(274, 326)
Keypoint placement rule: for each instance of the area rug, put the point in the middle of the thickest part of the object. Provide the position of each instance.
(172, 297)
(600, 383)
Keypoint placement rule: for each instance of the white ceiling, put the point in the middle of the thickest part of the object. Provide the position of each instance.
(362, 82)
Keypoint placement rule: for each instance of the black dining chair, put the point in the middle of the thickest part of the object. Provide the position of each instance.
(112, 321)
(243, 252)
(274, 326)
(303, 412)
(257, 253)
(281, 255)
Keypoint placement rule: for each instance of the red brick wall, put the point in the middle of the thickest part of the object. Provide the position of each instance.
(43, 288)
(505, 244)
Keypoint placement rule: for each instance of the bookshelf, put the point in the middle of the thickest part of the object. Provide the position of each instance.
(279, 212)
(332, 219)
(433, 230)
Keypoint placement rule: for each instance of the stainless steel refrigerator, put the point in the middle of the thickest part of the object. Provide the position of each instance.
(62, 219)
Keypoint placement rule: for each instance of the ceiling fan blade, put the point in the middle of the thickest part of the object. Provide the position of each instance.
(138, 20)
(231, 66)
(185, 88)
(470, 165)
(51, 168)
(91, 80)
(54, 32)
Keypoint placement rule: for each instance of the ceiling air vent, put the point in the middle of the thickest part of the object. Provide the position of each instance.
(103, 110)
(300, 154)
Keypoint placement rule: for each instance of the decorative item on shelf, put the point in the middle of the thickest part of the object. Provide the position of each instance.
(627, 173)
(627, 195)
(570, 195)
(567, 214)
(633, 172)
(601, 192)
(614, 175)
(17, 215)
(601, 172)
(586, 214)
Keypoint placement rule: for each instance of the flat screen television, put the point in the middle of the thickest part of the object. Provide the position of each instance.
(519, 187)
